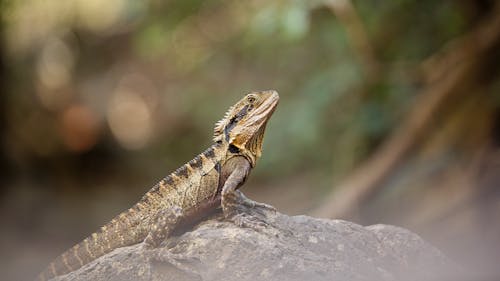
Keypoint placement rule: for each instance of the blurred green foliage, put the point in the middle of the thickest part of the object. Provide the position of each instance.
(187, 61)
(99, 99)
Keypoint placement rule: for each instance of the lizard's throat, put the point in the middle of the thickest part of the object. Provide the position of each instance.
(254, 144)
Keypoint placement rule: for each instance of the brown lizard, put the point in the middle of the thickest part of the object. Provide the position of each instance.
(209, 181)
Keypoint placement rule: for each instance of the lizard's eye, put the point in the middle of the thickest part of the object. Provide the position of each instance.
(251, 99)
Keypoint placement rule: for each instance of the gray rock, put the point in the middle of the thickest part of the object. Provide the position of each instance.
(289, 248)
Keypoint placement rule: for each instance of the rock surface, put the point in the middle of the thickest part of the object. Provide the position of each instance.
(289, 248)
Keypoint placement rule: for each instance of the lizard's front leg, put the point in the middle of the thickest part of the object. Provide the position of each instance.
(235, 205)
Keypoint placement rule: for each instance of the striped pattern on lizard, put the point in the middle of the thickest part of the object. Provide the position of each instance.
(204, 184)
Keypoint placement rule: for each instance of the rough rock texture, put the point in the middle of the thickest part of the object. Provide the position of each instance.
(289, 248)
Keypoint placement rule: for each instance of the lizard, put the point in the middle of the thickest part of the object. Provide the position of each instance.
(207, 183)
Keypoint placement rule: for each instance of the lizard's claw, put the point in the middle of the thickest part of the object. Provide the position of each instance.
(249, 203)
(248, 221)
(242, 211)
(264, 206)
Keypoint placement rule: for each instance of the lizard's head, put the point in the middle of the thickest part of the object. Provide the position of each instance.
(243, 126)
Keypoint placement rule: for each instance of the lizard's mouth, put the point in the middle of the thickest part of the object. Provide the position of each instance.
(266, 109)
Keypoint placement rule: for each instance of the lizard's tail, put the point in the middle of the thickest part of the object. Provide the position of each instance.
(71, 260)
(119, 232)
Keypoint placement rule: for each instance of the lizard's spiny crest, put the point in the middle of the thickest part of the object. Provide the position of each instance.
(219, 125)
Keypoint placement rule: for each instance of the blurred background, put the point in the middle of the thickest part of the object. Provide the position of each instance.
(389, 113)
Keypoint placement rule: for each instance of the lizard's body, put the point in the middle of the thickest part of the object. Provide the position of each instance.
(190, 193)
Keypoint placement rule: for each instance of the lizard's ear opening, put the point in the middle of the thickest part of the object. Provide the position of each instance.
(233, 148)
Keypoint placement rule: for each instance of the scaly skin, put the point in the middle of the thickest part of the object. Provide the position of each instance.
(189, 194)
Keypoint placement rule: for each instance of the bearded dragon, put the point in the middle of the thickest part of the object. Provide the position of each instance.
(204, 184)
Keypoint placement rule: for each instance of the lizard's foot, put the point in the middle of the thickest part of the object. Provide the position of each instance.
(248, 221)
(241, 211)
(165, 222)
(254, 204)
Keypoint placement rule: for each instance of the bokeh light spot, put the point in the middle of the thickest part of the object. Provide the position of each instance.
(130, 119)
(79, 128)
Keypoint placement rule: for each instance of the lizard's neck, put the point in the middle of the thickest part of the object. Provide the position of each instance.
(226, 151)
